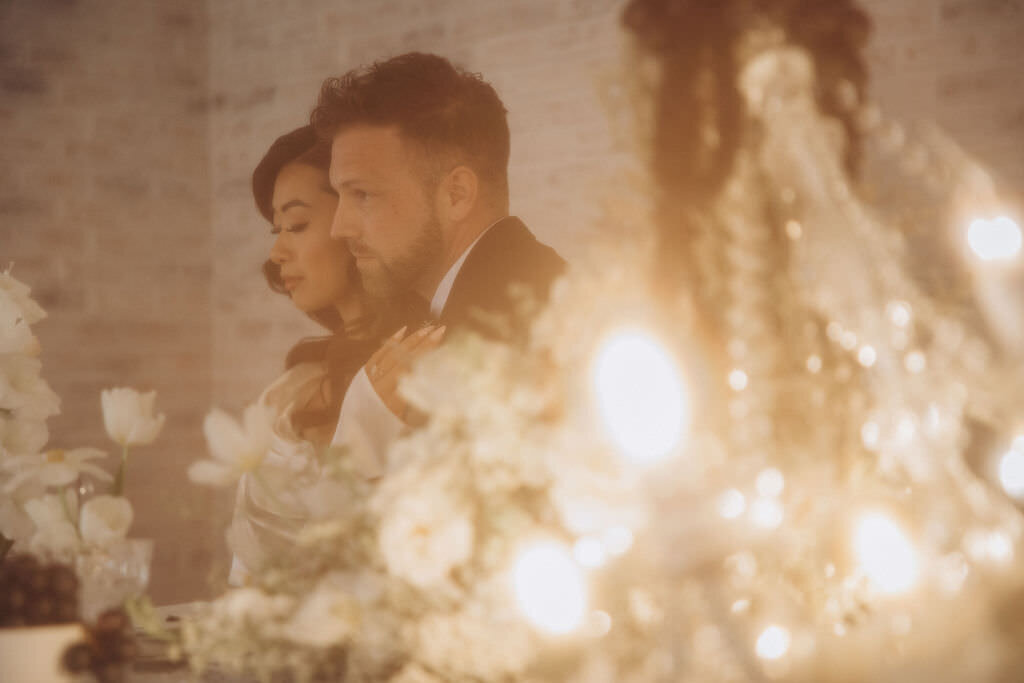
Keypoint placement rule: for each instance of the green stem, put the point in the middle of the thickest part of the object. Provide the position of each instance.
(119, 480)
(67, 512)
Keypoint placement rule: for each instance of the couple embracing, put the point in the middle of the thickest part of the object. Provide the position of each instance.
(392, 225)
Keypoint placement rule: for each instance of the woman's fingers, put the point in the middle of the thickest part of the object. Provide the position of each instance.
(398, 353)
(387, 365)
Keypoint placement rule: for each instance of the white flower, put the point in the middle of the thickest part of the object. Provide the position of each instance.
(128, 416)
(23, 391)
(55, 532)
(424, 531)
(53, 468)
(105, 520)
(236, 448)
(327, 616)
(18, 435)
(15, 524)
(18, 294)
(17, 313)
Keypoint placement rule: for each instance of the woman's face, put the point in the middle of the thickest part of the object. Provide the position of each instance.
(315, 268)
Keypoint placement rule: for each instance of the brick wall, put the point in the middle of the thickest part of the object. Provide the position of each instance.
(104, 210)
(958, 62)
(130, 129)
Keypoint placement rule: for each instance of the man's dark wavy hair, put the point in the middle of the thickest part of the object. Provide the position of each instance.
(453, 115)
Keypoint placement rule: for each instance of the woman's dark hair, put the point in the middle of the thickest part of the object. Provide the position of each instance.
(347, 348)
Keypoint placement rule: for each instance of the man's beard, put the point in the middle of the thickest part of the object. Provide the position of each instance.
(401, 274)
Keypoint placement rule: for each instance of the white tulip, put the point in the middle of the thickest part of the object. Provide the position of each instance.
(128, 416)
(105, 520)
(236, 448)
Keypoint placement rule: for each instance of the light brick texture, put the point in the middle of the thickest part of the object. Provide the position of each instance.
(129, 130)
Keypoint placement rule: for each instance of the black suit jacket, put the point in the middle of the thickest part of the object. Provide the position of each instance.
(484, 298)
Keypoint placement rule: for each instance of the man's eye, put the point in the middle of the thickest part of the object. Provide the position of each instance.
(298, 227)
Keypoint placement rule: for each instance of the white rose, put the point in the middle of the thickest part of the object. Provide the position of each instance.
(236, 448)
(425, 526)
(328, 616)
(105, 520)
(128, 416)
(423, 539)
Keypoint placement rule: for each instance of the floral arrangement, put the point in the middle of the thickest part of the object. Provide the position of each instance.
(41, 510)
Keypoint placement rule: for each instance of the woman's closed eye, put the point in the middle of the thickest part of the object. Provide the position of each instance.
(297, 227)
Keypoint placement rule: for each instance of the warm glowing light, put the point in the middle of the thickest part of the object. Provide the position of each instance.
(641, 396)
(550, 588)
(770, 482)
(998, 239)
(914, 361)
(590, 552)
(885, 553)
(867, 356)
(989, 546)
(814, 364)
(738, 380)
(766, 512)
(1011, 472)
(871, 434)
(773, 643)
(618, 540)
(731, 504)
(794, 230)
(899, 313)
(599, 624)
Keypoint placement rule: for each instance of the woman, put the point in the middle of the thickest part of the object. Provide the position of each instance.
(292, 191)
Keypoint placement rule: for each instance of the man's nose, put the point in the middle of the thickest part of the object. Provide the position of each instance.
(342, 227)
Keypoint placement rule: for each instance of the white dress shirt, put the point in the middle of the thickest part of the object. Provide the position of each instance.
(365, 423)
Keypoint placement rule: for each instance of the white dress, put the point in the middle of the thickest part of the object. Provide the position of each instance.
(269, 504)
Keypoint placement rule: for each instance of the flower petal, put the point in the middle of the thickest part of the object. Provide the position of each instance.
(212, 473)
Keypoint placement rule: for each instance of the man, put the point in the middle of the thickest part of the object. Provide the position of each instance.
(419, 159)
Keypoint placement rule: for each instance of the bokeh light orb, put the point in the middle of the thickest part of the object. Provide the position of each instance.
(640, 396)
(885, 553)
(773, 643)
(1011, 472)
(550, 587)
(996, 239)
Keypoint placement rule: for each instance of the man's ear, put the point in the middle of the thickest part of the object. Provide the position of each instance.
(459, 192)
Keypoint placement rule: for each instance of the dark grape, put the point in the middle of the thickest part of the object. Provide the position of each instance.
(78, 658)
(33, 593)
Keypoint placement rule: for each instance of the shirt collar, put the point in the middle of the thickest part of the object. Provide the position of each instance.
(444, 289)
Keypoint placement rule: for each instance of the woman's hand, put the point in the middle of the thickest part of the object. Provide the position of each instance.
(392, 360)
